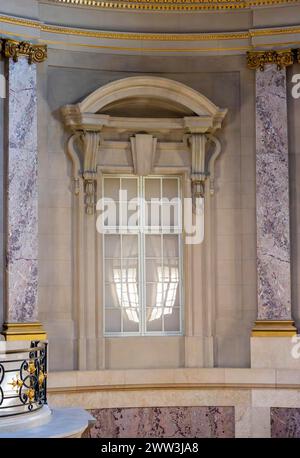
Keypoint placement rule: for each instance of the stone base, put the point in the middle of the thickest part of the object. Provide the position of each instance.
(275, 352)
(23, 331)
(60, 423)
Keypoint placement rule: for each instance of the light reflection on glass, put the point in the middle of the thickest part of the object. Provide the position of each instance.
(127, 291)
(125, 281)
(168, 279)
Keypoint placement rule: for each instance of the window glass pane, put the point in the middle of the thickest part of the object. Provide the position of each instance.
(111, 298)
(111, 268)
(170, 246)
(152, 188)
(131, 319)
(158, 308)
(130, 185)
(112, 246)
(172, 320)
(170, 187)
(170, 214)
(113, 320)
(153, 246)
(153, 268)
(130, 246)
(153, 213)
(154, 319)
(111, 188)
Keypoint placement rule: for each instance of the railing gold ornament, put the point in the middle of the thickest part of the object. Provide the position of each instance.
(258, 59)
(14, 49)
(23, 379)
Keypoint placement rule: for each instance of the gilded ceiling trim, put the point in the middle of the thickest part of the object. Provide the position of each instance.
(173, 5)
(242, 35)
(15, 49)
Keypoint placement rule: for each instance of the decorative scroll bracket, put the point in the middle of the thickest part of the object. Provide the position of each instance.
(143, 147)
(15, 49)
(203, 163)
(89, 143)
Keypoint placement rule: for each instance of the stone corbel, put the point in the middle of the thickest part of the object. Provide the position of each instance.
(86, 166)
(143, 148)
(203, 162)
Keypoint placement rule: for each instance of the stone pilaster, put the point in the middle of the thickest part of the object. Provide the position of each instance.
(21, 172)
(272, 200)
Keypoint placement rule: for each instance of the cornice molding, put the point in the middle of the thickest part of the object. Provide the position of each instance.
(135, 36)
(258, 59)
(172, 5)
(14, 49)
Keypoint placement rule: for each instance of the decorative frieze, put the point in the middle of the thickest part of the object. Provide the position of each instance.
(14, 49)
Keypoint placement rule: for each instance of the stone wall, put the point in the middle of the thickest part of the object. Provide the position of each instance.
(66, 78)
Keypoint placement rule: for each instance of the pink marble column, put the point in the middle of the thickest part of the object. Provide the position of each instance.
(21, 188)
(272, 196)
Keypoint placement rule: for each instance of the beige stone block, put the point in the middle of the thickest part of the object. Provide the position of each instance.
(228, 247)
(228, 222)
(249, 272)
(59, 166)
(55, 299)
(229, 272)
(101, 378)
(55, 247)
(248, 168)
(228, 168)
(248, 246)
(288, 376)
(228, 195)
(248, 221)
(54, 273)
(163, 352)
(248, 145)
(62, 379)
(261, 422)
(55, 220)
(228, 296)
(250, 376)
(55, 193)
(273, 352)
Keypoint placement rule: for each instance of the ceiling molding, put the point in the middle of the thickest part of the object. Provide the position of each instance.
(172, 5)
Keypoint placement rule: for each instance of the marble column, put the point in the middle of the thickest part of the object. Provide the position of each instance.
(21, 188)
(272, 204)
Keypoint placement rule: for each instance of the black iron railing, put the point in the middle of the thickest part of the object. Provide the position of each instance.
(23, 379)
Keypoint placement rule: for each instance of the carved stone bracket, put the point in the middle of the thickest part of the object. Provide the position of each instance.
(203, 162)
(258, 59)
(15, 49)
(85, 165)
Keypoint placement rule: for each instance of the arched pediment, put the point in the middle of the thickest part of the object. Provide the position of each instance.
(148, 86)
(196, 113)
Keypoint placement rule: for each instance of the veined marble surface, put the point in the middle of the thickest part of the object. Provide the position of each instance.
(272, 196)
(285, 422)
(22, 204)
(163, 422)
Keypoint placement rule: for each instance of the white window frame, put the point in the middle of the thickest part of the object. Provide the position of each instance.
(141, 230)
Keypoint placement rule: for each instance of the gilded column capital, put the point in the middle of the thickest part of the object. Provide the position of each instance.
(258, 59)
(14, 49)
